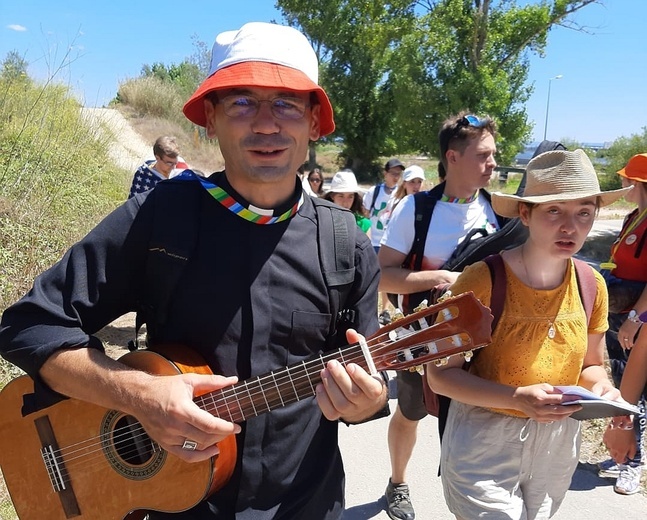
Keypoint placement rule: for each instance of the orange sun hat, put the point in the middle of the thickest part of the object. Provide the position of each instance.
(262, 55)
(636, 168)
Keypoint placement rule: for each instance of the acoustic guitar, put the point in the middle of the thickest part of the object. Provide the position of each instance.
(77, 460)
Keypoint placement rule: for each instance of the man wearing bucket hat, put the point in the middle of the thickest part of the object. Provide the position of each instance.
(345, 192)
(528, 446)
(253, 300)
(626, 274)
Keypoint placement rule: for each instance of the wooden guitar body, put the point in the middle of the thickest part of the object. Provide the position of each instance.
(103, 471)
(76, 460)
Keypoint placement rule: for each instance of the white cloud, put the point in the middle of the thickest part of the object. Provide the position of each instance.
(16, 27)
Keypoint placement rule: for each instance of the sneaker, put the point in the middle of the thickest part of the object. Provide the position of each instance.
(628, 481)
(608, 469)
(398, 502)
(384, 318)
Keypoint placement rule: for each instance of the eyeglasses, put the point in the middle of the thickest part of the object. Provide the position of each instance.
(282, 107)
(170, 164)
(315, 180)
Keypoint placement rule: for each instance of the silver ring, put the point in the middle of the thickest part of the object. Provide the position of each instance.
(189, 445)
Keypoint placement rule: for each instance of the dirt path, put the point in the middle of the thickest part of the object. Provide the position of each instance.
(127, 149)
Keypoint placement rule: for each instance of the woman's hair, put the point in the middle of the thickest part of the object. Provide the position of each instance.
(357, 207)
(401, 192)
(317, 171)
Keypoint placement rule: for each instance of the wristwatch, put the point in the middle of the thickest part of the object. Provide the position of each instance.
(634, 317)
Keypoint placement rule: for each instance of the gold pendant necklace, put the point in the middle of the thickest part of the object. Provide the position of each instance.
(551, 323)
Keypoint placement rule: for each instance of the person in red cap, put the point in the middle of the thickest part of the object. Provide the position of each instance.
(626, 274)
(251, 300)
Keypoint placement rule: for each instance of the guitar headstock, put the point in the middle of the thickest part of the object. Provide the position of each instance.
(459, 324)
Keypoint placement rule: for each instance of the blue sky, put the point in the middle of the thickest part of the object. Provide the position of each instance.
(601, 96)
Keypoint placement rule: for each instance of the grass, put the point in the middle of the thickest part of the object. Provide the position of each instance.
(57, 182)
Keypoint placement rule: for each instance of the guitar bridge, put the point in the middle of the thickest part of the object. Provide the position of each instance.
(56, 468)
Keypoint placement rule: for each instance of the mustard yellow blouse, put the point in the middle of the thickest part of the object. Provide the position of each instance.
(521, 352)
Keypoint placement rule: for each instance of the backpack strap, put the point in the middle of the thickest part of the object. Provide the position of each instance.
(425, 201)
(336, 232)
(499, 280)
(172, 243)
(586, 285)
(376, 192)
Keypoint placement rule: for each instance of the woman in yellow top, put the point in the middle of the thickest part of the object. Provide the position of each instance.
(509, 449)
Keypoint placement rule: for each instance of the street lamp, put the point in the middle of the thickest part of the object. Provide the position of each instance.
(559, 76)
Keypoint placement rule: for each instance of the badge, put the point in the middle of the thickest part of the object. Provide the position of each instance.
(631, 239)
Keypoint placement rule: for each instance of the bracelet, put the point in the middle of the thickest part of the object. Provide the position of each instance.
(633, 316)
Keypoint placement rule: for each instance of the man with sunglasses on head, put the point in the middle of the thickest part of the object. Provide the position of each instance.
(467, 149)
(251, 300)
(165, 165)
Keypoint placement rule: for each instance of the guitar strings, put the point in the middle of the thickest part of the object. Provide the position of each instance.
(349, 354)
(295, 382)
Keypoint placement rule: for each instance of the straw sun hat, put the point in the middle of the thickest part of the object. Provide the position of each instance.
(557, 176)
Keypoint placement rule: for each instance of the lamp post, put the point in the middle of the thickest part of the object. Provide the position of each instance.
(559, 76)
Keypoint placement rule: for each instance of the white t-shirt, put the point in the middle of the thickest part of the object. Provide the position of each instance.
(379, 215)
(450, 223)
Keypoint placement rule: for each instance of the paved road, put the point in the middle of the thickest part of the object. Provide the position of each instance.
(366, 457)
(367, 471)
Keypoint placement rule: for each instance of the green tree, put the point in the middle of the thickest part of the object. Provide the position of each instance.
(354, 41)
(396, 70)
(618, 154)
(185, 77)
(14, 67)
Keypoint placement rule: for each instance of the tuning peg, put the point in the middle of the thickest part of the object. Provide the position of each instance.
(445, 296)
(423, 305)
(468, 354)
(441, 362)
(397, 315)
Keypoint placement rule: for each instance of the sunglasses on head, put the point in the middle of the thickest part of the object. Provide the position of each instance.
(471, 120)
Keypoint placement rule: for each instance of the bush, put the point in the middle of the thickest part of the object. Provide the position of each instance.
(153, 97)
(56, 183)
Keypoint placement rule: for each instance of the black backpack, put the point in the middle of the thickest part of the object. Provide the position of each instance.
(477, 245)
(173, 242)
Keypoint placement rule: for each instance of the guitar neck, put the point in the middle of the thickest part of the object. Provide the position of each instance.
(261, 394)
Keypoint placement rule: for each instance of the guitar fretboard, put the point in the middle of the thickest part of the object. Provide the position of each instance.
(276, 389)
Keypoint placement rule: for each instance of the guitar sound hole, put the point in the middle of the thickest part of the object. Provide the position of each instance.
(128, 449)
(131, 442)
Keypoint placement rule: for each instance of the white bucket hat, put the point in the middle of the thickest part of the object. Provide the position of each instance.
(344, 182)
(556, 176)
(413, 172)
(262, 55)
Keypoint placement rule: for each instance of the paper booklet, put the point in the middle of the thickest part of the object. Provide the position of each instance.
(594, 406)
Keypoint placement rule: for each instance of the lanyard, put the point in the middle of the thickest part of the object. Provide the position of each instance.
(249, 213)
(630, 227)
